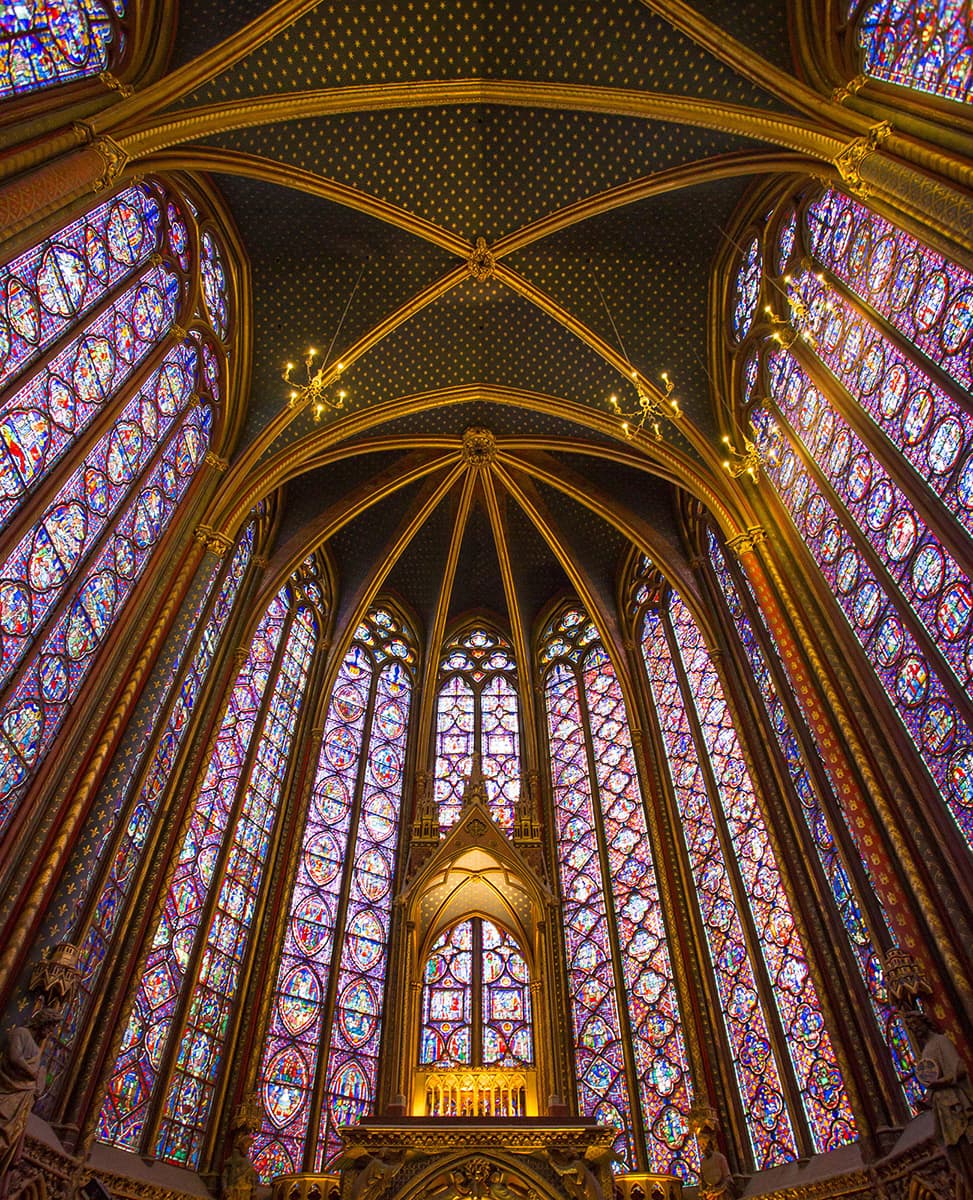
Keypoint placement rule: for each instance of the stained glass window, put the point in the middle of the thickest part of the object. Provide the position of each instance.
(447, 1000)
(747, 290)
(619, 969)
(921, 44)
(871, 451)
(822, 820)
(718, 807)
(476, 966)
(138, 811)
(45, 44)
(348, 849)
(86, 339)
(477, 711)
(199, 945)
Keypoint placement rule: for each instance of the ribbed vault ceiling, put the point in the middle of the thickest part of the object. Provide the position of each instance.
(345, 219)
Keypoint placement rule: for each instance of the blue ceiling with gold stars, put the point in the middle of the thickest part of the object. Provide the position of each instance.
(637, 274)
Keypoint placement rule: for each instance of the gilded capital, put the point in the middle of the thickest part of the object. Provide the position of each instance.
(744, 543)
(215, 542)
(849, 161)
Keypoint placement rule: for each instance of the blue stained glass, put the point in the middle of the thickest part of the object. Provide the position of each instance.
(42, 45)
(920, 44)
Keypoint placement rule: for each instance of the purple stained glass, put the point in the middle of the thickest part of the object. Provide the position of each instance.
(199, 1051)
(933, 431)
(122, 870)
(41, 567)
(505, 1007)
(601, 1073)
(215, 286)
(757, 1070)
(477, 710)
(290, 1056)
(357, 1030)
(938, 728)
(926, 297)
(819, 824)
(455, 737)
(42, 418)
(445, 1036)
(35, 709)
(823, 1092)
(926, 45)
(136, 1070)
(660, 1053)
(42, 45)
(47, 289)
(933, 584)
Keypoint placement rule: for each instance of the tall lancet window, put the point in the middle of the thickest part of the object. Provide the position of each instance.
(629, 1048)
(770, 1008)
(162, 1086)
(107, 408)
(475, 1001)
(863, 416)
(316, 1076)
(477, 711)
(846, 877)
(136, 789)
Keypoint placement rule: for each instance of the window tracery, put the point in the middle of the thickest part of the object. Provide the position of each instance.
(866, 434)
(42, 45)
(926, 45)
(89, 360)
(619, 970)
(199, 944)
(335, 944)
(476, 1008)
(731, 855)
(477, 712)
(139, 807)
(827, 829)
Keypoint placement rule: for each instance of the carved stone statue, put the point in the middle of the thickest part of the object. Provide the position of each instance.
(715, 1176)
(239, 1179)
(949, 1091)
(579, 1179)
(21, 1082)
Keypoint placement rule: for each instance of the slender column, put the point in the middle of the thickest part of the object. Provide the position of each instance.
(785, 1067)
(247, 1038)
(177, 1024)
(846, 1009)
(761, 570)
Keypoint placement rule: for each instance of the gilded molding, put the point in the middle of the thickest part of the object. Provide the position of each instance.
(745, 543)
(191, 124)
(214, 461)
(115, 85)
